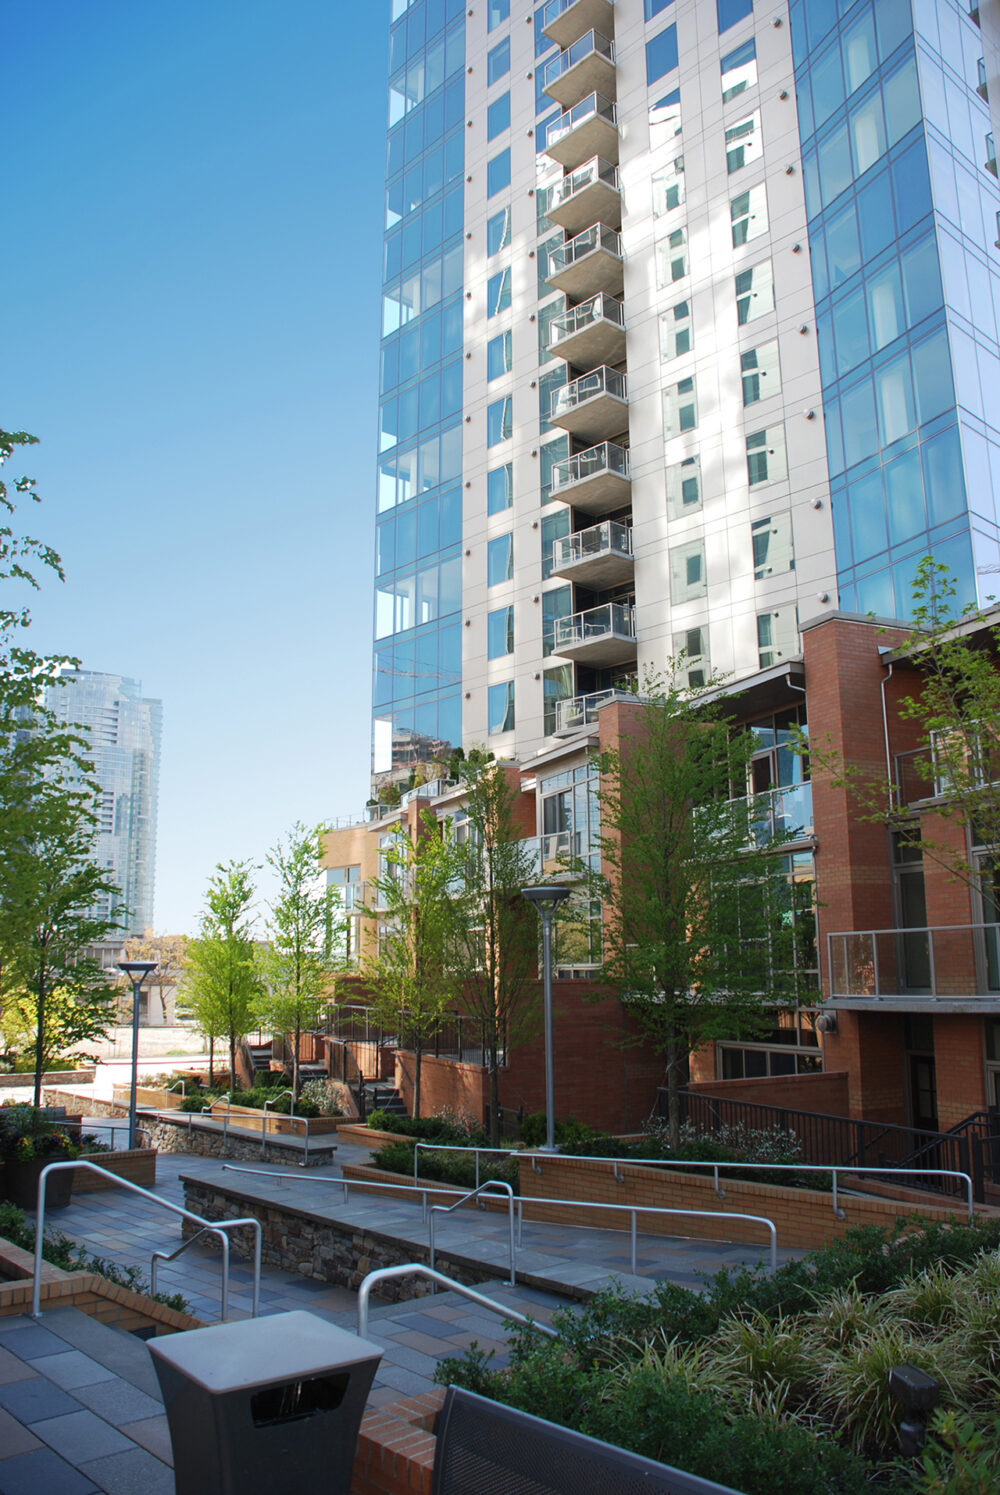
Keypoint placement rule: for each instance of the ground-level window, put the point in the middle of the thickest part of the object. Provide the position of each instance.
(790, 1047)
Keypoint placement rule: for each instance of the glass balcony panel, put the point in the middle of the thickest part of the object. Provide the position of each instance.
(563, 21)
(600, 556)
(588, 66)
(593, 406)
(590, 194)
(601, 635)
(589, 128)
(578, 712)
(955, 963)
(590, 334)
(589, 263)
(594, 481)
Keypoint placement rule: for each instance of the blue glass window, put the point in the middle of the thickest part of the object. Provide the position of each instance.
(904, 494)
(499, 489)
(499, 421)
(558, 603)
(500, 707)
(850, 330)
(498, 116)
(661, 54)
(932, 382)
(497, 11)
(875, 218)
(867, 516)
(498, 61)
(500, 633)
(843, 250)
(942, 463)
(498, 356)
(859, 425)
(499, 560)
(652, 8)
(498, 231)
(731, 11)
(554, 527)
(498, 173)
(739, 70)
(498, 292)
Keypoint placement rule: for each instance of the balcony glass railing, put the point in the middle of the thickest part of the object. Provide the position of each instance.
(594, 170)
(598, 236)
(593, 44)
(601, 308)
(555, 8)
(614, 618)
(609, 538)
(593, 106)
(606, 457)
(783, 812)
(602, 381)
(581, 711)
(551, 853)
(953, 961)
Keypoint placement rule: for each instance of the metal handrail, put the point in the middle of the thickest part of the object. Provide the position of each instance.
(345, 1183)
(417, 1269)
(271, 1100)
(159, 1256)
(496, 1152)
(171, 1088)
(85, 1125)
(217, 1228)
(447, 1209)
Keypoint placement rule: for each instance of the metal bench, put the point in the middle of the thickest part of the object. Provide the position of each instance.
(484, 1448)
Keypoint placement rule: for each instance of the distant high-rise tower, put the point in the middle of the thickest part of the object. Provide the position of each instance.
(123, 731)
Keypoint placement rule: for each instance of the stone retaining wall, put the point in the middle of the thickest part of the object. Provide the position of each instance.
(57, 1076)
(73, 1101)
(169, 1135)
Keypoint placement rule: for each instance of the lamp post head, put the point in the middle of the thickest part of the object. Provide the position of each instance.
(137, 970)
(546, 900)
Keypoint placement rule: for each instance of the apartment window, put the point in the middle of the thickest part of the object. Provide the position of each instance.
(772, 546)
(661, 54)
(680, 408)
(729, 12)
(691, 649)
(498, 61)
(671, 258)
(557, 685)
(555, 604)
(761, 374)
(668, 187)
(548, 384)
(498, 231)
(498, 116)
(549, 455)
(554, 527)
(500, 633)
(545, 248)
(687, 572)
(500, 489)
(684, 487)
(748, 211)
(499, 421)
(500, 707)
(499, 560)
(546, 316)
(675, 331)
(743, 142)
(652, 8)
(498, 356)
(498, 292)
(777, 636)
(498, 173)
(739, 70)
(766, 457)
(754, 293)
(496, 12)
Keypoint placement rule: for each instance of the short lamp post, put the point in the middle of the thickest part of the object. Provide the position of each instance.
(136, 971)
(546, 901)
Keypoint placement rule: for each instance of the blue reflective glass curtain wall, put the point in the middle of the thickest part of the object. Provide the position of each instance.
(899, 223)
(418, 656)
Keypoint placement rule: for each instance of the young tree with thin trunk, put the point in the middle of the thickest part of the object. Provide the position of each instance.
(220, 963)
(698, 932)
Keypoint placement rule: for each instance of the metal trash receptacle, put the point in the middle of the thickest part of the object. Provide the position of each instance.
(261, 1404)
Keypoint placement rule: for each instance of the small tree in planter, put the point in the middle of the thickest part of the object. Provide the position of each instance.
(29, 1141)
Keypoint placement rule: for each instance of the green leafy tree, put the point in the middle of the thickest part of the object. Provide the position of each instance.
(223, 985)
(413, 976)
(698, 926)
(303, 929)
(496, 932)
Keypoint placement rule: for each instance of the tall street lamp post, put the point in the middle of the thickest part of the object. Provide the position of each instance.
(546, 901)
(136, 971)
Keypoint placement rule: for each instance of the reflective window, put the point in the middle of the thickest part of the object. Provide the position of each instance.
(680, 408)
(729, 12)
(498, 61)
(772, 546)
(671, 258)
(499, 421)
(551, 452)
(498, 292)
(668, 187)
(691, 651)
(557, 603)
(548, 383)
(498, 231)
(554, 526)
(661, 54)
(739, 70)
(761, 374)
(748, 211)
(766, 457)
(557, 685)
(498, 116)
(498, 356)
(546, 316)
(675, 331)
(754, 293)
(498, 173)
(777, 636)
(499, 560)
(743, 142)
(687, 572)
(500, 633)
(652, 8)
(500, 707)
(684, 487)
(497, 11)
(499, 489)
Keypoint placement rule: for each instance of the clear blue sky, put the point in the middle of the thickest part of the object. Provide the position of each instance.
(189, 257)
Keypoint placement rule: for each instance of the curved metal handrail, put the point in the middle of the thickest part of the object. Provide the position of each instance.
(218, 1227)
(447, 1209)
(417, 1269)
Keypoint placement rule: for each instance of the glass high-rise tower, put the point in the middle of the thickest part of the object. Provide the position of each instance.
(690, 335)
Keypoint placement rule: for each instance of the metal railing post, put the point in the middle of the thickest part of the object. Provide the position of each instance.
(633, 1230)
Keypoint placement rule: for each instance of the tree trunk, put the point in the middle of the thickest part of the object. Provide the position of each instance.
(418, 1053)
(295, 1060)
(232, 1061)
(673, 1091)
(40, 1034)
(211, 1062)
(494, 1117)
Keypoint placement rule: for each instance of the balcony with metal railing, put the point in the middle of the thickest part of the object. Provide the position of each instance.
(593, 407)
(595, 481)
(590, 194)
(955, 966)
(577, 713)
(551, 853)
(590, 128)
(588, 66)
(564, 21)
(590, 334)
(588, 263)
(600, 636)
(598, 557)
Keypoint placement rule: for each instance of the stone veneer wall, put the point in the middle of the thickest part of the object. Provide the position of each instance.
(174, 1136)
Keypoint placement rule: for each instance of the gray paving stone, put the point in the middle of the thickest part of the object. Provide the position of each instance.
(80, 1436)
(43, 1472)
(13, 1369)
(135, 1472)
(34, 1400)
(30, 1341)
(73, 1369)
(14, 1438)
(153, 1434)
(118, 1402)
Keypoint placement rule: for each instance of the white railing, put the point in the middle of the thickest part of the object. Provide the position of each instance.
(607, 538)
(594, 170)
(598, 236)
(602, 381)
(614, 619)
(582, 711)
(594, 106)
(946, 960)
(606, 456)
(591, 44)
